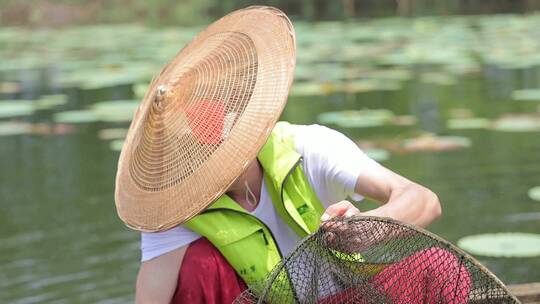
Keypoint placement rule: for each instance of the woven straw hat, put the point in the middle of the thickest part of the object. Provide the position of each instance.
(204, 118)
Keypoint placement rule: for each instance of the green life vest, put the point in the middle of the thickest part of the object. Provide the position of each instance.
(246, 242)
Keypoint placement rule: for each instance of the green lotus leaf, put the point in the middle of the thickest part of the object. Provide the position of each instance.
(314, 89)
(431, 142)
(15, 128)
(116, 145)
(389, 74)
(377, 154)
(527, 95)
(116, 110)
(368, 85)
(113, 133)
(534, 193)
(108, 80)
(404, 120)
(139, 90)
(9, 87)
(517, 124)
(77, 116)
(357, 118)
(14, 108)
(507, 245)
(50, 101)
(438, 78)
(467, 123)
(460, 113)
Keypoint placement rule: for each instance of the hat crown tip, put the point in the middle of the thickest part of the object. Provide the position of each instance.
(159, 98)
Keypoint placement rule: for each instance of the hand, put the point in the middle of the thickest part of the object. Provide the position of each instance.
(343, 208)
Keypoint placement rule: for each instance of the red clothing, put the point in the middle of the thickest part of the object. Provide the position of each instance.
(433, 275)
(430, 276)
(206, 277)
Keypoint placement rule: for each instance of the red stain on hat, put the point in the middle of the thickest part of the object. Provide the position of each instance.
(206, 118)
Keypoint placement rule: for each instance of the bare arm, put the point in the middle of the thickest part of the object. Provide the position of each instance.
(402, 199)
(157, 279)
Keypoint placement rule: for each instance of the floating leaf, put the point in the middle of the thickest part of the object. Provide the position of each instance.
(116, 110)
(114, 133)
(77, 116)
(438, 78)
(508, 245)
(357, 118)
(377, 154)
(389, 74)
(15, 128)
(139, 89)
(50, 101)
(517, 123)
(116, 145)
(10, 87)
(48, 129)
(468, 123)
(19, 128)
(526, 95)
(461, 113)
(368, 85)
(14, 108)
(534, 193)
(404, 120)
(430, 142)
(314, 89)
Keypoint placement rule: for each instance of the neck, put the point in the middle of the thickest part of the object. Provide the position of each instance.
(253, 179)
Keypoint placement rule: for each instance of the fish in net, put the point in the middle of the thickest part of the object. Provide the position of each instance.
(377, 260)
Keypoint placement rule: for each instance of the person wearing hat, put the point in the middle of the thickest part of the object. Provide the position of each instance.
(219, 189)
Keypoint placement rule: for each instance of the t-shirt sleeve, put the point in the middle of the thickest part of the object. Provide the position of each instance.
(332, 162)
(155, 244)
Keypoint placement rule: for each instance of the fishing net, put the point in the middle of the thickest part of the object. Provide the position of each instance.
(377, 260)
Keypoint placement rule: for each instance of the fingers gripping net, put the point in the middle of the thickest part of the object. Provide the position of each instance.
(377, 260)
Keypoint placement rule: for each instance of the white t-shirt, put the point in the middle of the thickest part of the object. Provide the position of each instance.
(331, 163)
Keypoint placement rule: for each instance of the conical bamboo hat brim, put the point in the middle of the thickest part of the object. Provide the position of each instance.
(204, 118)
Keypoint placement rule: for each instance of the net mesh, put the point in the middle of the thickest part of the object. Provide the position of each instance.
(377, 260)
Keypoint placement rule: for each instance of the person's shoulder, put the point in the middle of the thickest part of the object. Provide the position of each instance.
(302, 130)
(315, 135)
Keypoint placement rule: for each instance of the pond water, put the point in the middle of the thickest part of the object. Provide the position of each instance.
(60, 238)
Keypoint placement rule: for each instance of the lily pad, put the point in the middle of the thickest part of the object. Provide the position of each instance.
(377, 154)
(534, 193)
(15, 128)
(404, 120)
(116, 110)
(389, 74)
(77, 116)
(14, 108)
(357, 118)
(526, 95)
(50, 101)
(467, 123)
(431, 142)
(314, 89)
(438, 78)
(517, 123)
(139, 89)
(10, 87)
(116, 145)
(461, 113)
(113, 133)
(507, 245)
(368, 85)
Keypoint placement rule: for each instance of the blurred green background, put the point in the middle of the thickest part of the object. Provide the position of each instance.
(446, 93)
